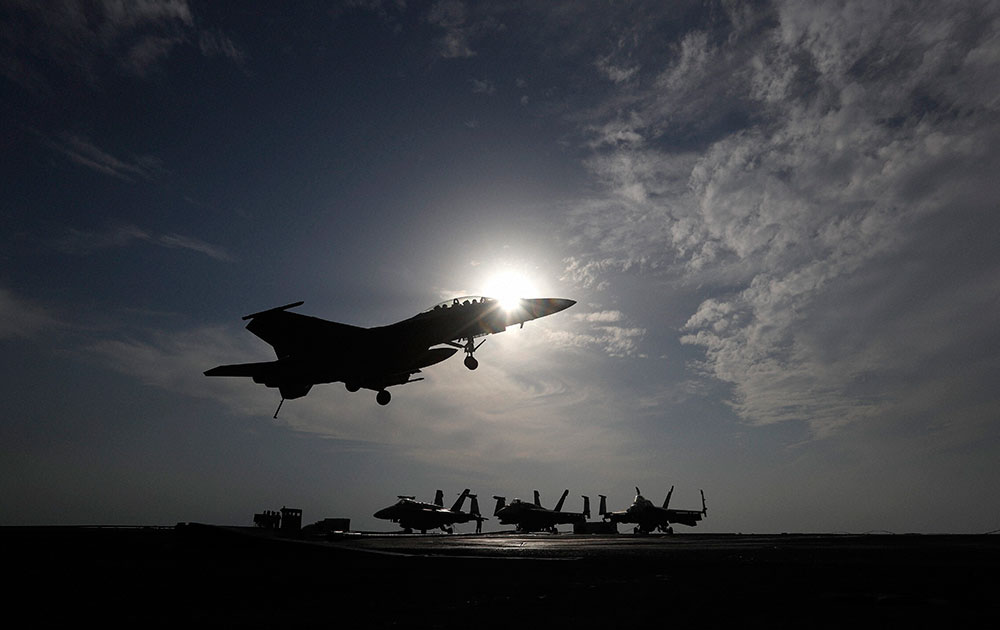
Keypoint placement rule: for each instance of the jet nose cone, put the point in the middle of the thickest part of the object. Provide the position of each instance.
(540, 307)
(561, 304)
(383, 513)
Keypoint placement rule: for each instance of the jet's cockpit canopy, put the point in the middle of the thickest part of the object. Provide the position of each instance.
(461, 301)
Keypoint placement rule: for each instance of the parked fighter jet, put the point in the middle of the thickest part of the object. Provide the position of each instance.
(648, 517)
(532, 517)
(412, 514)
(312, 350)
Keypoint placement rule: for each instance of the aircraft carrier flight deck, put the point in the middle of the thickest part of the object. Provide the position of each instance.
(235, 576)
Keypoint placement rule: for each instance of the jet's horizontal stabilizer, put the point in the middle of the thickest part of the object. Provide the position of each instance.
(432, 356)
(241, 369)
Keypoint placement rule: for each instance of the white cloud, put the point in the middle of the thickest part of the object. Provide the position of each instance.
(450, 15)
(483, 87)
(859, 127)
(22, 318)
(615, 73)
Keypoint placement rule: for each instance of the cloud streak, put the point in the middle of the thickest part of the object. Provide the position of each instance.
(89, 155)
(80, 242)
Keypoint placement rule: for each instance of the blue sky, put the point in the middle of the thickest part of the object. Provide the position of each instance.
(779, 220)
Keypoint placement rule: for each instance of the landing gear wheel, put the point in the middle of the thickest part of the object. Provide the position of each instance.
(352, 387)
(383, 397)
(471, 362)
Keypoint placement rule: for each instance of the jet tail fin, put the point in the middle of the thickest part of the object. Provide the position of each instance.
(439, 498)
(273, 310)
(501, 502)
(461, 500)
(704, 508)
(538, 500)
(604, 505)
(474, 508)
(666, 502)
(586, 507)
(562, 500)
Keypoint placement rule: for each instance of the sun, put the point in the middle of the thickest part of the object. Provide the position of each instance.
(508, 287)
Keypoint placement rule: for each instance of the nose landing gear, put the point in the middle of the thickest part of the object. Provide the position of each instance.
(470, 347)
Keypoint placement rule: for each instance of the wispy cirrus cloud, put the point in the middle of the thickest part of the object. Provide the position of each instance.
(85, 38)
(81, 242)
(85, 153)
(20, 317)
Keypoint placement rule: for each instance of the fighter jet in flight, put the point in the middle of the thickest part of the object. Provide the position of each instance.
(311, 350)
(412, 514)
(648, 517)
(532, 517)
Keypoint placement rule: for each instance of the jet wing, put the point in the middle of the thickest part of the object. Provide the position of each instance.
(684, 517)
(293, 333)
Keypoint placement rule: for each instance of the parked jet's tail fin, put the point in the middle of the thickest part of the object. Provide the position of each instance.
(474, 508)
(461, 500)
(704, 508)
(562, 500)
(538, 500)
(439, 498)
(501, 502)
(604, 505)
(586, 507)
(666, 502)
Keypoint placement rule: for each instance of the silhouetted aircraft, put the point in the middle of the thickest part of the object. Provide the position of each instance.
(648, 517)
(312, 350)
(412, 514)
(532, 517)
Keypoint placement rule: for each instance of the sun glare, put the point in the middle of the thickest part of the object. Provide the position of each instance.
(508, 287)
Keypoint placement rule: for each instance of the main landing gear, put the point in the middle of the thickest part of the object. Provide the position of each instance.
(382, 397)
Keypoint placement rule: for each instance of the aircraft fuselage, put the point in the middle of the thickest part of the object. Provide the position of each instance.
(311, 350)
